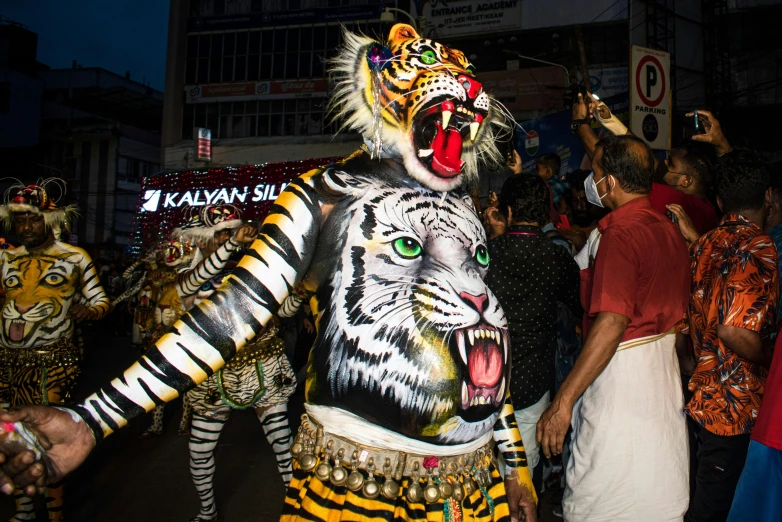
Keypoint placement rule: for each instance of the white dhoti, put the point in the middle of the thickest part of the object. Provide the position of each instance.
(630, 449)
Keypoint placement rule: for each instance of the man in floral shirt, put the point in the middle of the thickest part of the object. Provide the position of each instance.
(730, 319)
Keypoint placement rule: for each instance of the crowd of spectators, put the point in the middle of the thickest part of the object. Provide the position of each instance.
(642, 297)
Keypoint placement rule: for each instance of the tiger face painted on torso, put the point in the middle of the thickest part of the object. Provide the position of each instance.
(40, 288)
(409, 335)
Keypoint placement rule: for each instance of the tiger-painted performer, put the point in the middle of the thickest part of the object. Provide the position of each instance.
(260, 378)
(42, 279)
(407, 384)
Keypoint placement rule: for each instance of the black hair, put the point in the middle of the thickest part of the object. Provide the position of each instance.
(630, 160)
(700, 159)
(741, 180)
(550, 160)
(528, 198)
(577, 178)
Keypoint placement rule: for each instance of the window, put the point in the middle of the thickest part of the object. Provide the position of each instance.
(268, 54)
(293, 117)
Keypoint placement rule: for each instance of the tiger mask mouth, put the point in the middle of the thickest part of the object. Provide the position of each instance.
(418, 99)
(484, 351)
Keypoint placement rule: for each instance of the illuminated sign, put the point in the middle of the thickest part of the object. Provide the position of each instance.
(224, 196)
(166, 197)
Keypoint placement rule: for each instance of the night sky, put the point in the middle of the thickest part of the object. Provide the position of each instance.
(118, 35)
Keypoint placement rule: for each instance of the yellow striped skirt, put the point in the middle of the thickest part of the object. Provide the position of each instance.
(309, 499)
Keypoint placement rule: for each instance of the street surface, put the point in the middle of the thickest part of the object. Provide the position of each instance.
(128, 479)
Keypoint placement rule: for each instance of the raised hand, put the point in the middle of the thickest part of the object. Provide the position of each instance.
(713, 134)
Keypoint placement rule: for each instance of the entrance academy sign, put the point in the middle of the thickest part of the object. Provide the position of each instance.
(650, 96)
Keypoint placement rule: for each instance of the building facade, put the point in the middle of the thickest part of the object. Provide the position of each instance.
(97, 130)
(254, 74)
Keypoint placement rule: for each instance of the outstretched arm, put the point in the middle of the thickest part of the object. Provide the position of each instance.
(211, 333)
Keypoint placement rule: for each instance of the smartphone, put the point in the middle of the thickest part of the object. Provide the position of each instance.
(696, 123)
(564, 222)
(672, 217)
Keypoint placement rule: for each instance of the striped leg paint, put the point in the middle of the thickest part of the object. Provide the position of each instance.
(157, 422)
(54, 501)
(274, 421)
(204, 435)
(187, 415)
(25, 509)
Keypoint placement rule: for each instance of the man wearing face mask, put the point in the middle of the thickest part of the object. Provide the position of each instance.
(623, 396)
(683, 179)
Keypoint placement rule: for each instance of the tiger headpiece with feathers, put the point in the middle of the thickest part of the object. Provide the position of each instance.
(35, 198)
(417, 99)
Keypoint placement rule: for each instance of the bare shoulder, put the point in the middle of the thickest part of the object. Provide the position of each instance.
(71, 249)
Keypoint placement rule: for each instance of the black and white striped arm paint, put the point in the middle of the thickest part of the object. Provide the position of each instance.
(212, 332)
(190, 280)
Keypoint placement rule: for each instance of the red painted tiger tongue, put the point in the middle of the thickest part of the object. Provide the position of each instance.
(447, 155)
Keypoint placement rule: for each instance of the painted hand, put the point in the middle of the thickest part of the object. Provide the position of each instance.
(246, 234)
(79, 312)
(521, 501)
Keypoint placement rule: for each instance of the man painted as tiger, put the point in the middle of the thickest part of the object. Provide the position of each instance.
(407, 380)
(41, 279)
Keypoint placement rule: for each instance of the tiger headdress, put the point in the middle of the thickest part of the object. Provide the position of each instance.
(418, 99)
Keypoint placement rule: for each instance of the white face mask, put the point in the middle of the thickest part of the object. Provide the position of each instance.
(591, 190)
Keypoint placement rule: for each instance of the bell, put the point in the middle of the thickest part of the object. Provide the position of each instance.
(470, 486)
(371, 489)
(355, 480)
(308, 462)
(323, 471)
(390, 489)
(338, 476)
(446, 490)
(415, 492)
(296, 449)
(458, 491)
(432, 493)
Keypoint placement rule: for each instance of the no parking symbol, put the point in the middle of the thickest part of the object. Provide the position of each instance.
(650, 116)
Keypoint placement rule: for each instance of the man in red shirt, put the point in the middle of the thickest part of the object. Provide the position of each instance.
(757, 497)
(624, 397)
(686, 174)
